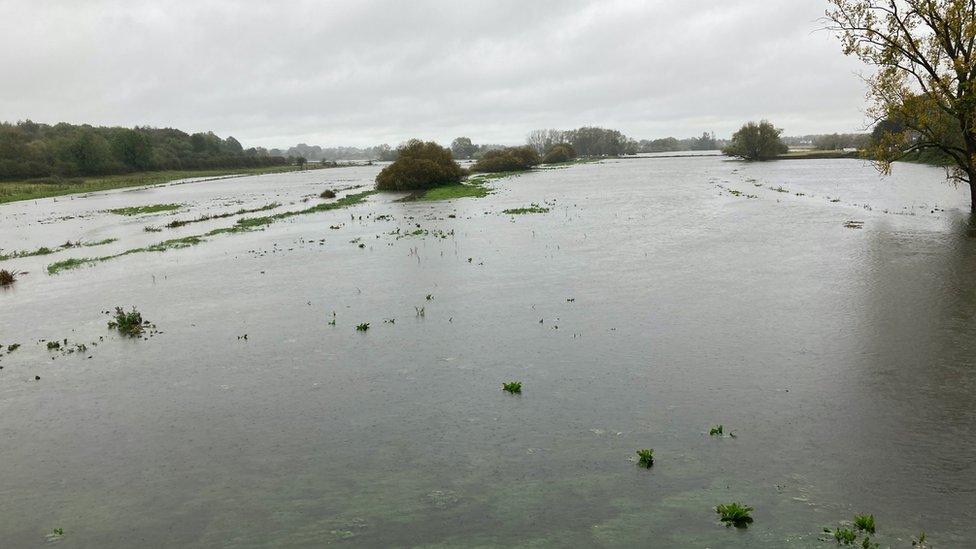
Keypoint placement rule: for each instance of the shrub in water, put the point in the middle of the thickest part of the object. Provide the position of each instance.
(419, 165)
(560, 152)
(513, 387)
(510, 159)
(328, 193)
(128, 323)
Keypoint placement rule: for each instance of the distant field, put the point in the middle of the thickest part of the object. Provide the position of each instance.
(12, 191)
(808, 154)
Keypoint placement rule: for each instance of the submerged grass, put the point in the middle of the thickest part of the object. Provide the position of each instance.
(12, 191)
(645, 458)
(471, 189)
(151, 208)
(533, 208)
(242, 225)
(44, 250)
(183, 222)
(512, 387)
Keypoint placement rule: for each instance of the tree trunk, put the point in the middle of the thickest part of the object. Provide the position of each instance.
(972, 194)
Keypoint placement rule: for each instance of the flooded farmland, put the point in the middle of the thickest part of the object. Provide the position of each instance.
(822, 315)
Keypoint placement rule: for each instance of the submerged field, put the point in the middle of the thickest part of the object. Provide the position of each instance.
(822, 316)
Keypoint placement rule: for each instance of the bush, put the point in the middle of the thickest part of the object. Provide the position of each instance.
(328, 193)
(419, 165)
(560, 152)
(510, 159)
(756, 142)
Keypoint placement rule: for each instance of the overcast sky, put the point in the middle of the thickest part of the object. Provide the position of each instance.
(362, 72)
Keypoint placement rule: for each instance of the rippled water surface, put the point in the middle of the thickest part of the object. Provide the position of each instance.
(656, 298)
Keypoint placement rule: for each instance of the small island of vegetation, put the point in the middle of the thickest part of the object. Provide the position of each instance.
(420, 165)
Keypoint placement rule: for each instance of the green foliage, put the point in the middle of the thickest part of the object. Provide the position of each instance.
(14, 346)
(419, 165)
(151, 208)
(31, 150)
(472, 189)
(362, 327)
(242, 225)
(30, 189)
(717, 430)
(7, 277)
(560, 152)
(756, 142)
(510, 159)
(734, 514)
(865, 523)
(53, 345)
(645, 458)
(512, 387)
(846, 536)
(180, 223)
(44, 250)
(128, 323)
(328, 193)
(534, 208)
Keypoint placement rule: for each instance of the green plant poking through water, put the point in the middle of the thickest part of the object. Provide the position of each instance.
(864, 523)
(718, 430)
(645, 458)
(362, 327)
(512, 387)
(734, 514)
(7, 277)
(128, 323)
(845, 536)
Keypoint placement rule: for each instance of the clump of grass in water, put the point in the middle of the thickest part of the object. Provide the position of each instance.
(734, 514)
(130, 324)
(645, 458)
(328, 193)
(865, 523)
(362, 327)
(152, 229)
(533, 208)
(53, 345)
(717, 430)
(151, 208)
(8, 277)
(55, 535)
(12, 347)
(512, 387)
(846, 536)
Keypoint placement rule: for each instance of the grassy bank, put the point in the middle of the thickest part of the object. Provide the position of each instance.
(12, 191)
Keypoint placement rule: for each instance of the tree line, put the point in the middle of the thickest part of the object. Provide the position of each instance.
(33, 150)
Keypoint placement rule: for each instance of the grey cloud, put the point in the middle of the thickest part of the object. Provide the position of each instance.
(364, 72)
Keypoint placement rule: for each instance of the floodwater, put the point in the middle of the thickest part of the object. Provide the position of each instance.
(649, 304)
